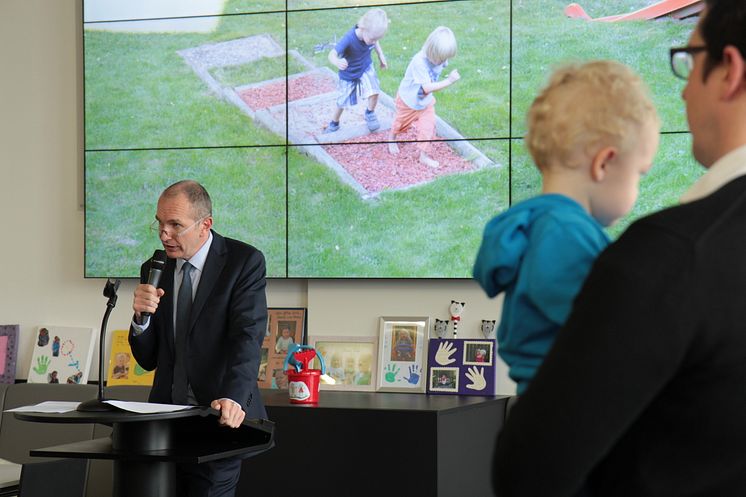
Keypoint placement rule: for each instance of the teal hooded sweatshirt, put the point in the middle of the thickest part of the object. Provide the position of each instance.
(538, 252)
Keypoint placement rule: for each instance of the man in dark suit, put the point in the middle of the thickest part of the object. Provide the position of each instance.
(205, 349)
(644, 391)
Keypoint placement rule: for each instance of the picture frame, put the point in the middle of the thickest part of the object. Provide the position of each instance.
(444, 380)
(461, 366)
(402, 354)
(285, 325)
(8, 352)
(478, 353)
(351, 361)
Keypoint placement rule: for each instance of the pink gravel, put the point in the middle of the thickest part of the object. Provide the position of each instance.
(377, 170)
(271, 94)
(364, 158)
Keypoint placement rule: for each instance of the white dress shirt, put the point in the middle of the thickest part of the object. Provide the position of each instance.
(725, 169)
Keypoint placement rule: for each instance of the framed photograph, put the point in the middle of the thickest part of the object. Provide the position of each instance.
(351, 361)
(444, 380)
(286, 325)
(8, 352)
(478, 353)
(402, 354)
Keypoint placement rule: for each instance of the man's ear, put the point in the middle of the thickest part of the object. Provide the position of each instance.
(735, 77)
(601, 161)
(207, 223)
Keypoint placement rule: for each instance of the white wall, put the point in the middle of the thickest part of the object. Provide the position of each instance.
(41, 191)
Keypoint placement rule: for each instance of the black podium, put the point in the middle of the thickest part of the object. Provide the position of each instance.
(145, 447)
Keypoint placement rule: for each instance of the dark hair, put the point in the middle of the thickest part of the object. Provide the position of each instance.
(724, 24)
(198, 197)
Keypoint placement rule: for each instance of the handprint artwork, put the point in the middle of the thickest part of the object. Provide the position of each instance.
(391, 372)
(42, 364)
(444, 353)
(476, 376)
(402, 353)
(414, 374)
(463, 366)
(66, 357)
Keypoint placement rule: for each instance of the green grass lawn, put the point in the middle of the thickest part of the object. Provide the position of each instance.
(544, 38)
(431, 229)
(140, 94)
(246, 185)
(674, 169)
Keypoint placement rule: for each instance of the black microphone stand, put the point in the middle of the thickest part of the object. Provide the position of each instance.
(97, 404)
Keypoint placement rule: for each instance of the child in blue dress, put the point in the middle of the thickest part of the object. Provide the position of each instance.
(357, 74)
(404, 346)
(592, 133)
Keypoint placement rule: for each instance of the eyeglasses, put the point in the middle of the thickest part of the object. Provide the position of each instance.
(172, 230)
(682, 60)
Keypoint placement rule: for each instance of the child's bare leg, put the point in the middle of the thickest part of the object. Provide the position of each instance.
(370, 116)
(393, 147)
(425, 132)
(372, 102)
(334, 123)
(428, 161)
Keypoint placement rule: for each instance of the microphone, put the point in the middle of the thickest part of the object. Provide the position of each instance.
(157, 263)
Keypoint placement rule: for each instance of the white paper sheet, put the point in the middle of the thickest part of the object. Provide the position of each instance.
(146, 407)
(10, 474)
(48, 406)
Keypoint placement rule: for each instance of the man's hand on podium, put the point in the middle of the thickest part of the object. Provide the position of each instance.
(231, 413)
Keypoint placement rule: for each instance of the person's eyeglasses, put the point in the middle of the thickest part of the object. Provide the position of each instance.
(682, 60)
(172, 230)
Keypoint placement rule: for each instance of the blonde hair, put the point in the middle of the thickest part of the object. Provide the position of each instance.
(440, 45)
(585, 106)
(374, 21)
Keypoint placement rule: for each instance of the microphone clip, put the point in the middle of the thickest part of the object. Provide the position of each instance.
(110, 291)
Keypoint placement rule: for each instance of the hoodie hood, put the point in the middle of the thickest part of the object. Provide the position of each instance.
(506, 239)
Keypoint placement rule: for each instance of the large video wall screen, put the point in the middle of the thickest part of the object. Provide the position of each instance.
(238, 95)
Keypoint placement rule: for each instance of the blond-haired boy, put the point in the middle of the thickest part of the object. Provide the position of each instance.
(592, 133)
(415, 102)
(357, 74)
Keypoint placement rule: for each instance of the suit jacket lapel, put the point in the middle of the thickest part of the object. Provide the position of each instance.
(210, 273)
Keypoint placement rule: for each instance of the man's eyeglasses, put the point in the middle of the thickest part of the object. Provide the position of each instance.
(172, 230)
(682, 60)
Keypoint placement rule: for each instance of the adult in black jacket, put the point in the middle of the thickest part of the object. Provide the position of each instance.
(226, 325)
(644, 391)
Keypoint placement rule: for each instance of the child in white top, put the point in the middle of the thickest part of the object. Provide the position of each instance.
(415, 102)
(284, 341)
